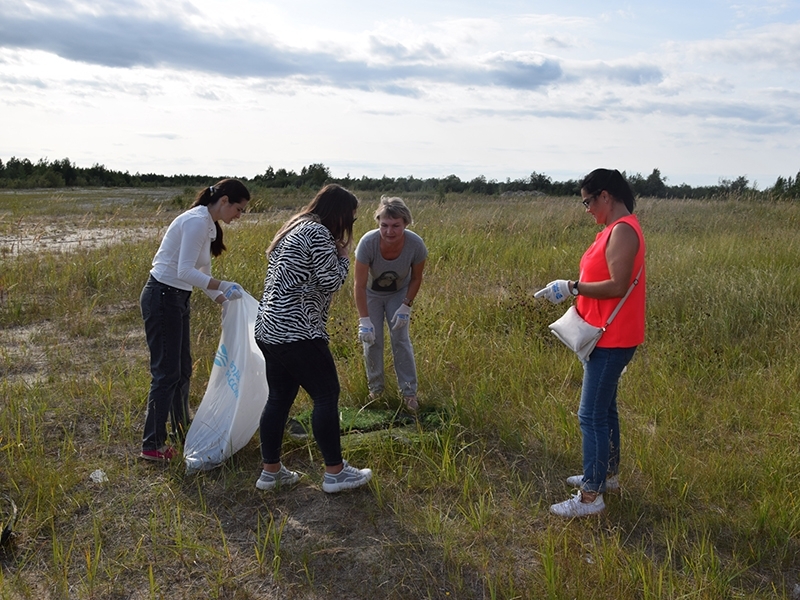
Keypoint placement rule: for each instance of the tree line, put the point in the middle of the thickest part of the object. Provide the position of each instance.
(22, 173)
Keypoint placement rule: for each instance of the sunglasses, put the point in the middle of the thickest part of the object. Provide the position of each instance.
(588, 201)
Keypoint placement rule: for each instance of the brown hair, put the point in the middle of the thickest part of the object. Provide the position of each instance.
(333, 206)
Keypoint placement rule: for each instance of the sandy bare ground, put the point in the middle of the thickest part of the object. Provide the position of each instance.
(76, 219)
(68, 237)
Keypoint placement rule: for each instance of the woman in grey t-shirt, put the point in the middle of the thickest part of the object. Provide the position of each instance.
(388, 274)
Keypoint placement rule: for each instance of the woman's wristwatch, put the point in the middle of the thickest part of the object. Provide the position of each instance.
(575, 288)
(408, 302)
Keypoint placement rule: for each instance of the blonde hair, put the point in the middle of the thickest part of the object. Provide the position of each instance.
(393, 208)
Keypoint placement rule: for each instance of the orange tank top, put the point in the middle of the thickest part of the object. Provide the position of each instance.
(627, 328)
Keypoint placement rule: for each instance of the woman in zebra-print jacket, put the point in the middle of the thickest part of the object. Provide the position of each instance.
(308, 262)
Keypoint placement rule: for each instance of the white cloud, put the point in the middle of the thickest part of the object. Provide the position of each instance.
(774, 47)
(391, 51)
(755, 8)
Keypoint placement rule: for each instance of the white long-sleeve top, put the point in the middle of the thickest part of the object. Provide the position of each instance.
(183, 259)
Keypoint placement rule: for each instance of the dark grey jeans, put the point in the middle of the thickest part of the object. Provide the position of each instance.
(165, 311)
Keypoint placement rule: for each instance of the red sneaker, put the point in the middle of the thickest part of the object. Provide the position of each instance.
(162, 454)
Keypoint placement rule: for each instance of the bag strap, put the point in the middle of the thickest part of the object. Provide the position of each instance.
(625, 297)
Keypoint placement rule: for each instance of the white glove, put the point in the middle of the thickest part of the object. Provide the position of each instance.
(401, 317)
(556, 291)
(366, 332)
(231, 290)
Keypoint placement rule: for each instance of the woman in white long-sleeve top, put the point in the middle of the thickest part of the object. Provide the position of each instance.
(183, 262)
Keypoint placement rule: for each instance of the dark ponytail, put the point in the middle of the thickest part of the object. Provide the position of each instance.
(234, 190)
(613, 182)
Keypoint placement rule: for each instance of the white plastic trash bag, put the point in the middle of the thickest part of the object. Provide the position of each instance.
(230, 411)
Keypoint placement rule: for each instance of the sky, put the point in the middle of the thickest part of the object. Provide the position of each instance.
(701, 90)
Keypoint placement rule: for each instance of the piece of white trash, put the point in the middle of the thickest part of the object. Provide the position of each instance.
(98, 476)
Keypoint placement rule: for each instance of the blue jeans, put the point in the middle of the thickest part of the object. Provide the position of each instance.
(598, 415)
(308, 364)
(165, 311)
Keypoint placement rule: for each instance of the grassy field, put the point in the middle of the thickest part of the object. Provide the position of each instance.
(709, 506)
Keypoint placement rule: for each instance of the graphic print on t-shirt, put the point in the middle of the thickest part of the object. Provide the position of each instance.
(386, 282)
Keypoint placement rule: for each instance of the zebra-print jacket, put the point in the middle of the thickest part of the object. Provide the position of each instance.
(303, 273)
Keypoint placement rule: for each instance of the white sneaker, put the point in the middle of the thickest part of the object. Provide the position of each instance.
(612, 483)
(346, 479)
(575, 508)
(283, 478)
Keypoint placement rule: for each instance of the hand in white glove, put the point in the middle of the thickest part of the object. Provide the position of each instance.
(366, 332)
(556, 291)
(401, 317)
(231, 290)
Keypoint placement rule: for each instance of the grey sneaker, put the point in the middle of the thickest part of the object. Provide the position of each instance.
(346, 479)
(283, 478)
(575, 508)
(612, 482)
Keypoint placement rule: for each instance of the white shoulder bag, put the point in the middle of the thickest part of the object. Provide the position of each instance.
(577, 334)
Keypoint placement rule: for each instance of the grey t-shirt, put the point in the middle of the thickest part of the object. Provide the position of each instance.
(389, 276)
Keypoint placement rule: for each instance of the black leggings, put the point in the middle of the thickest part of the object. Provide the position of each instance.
(307, 364)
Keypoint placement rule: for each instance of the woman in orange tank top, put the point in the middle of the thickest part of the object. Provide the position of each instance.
(607, 269)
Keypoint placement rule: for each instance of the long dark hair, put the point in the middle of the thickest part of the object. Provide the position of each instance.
(611, 181)
(236, 193)
(333, 206)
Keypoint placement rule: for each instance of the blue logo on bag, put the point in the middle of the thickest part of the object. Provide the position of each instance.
(221, 359)
(232, 373)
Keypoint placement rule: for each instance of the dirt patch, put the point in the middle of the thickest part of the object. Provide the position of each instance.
(66, 238)
(349, 546)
